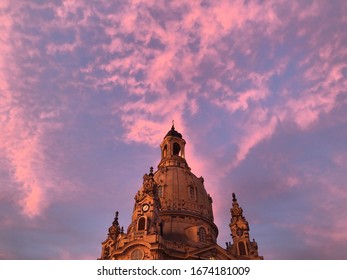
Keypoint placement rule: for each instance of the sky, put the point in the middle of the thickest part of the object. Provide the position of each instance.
(88, 90)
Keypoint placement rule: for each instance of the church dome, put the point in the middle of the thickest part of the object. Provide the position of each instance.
(185, 204)
(179, 190)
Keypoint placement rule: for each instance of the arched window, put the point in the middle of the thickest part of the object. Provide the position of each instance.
(242, 248)
(176, 149)
(165, 151)
(191, 192)
(141, 224)
(202, 234)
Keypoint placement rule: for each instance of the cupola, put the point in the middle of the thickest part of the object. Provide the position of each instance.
(172, 148)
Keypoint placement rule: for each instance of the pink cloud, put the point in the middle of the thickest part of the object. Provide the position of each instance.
(151, 118)
(256, 133)
(320, 98)
(237, 13)
(340, 159)
(241, 101)
(324, 237)
(292, 181)
(80, 11)
(16, 140)
(311, 10)
(25, 156)
(21, 142)
(211, 24)
(66, 47)
(161, 65)
(22, 150)
(22, 139)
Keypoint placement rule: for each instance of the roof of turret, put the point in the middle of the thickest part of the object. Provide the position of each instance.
(173, 133)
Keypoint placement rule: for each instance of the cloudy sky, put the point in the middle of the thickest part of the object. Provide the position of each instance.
(88, 90)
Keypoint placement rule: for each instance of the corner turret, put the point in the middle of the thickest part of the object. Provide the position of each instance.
(242, 246)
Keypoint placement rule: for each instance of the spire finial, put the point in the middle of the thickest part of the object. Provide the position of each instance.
(151, 170)
(234, 197)
(115, 221)
(173, 124)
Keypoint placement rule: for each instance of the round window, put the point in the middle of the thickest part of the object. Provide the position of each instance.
(137, 254)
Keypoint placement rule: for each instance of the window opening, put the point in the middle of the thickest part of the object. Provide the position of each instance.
(176, 149)
(165, 151)
(202, 234)
(242, 248)
(141, 224)
(192, 192)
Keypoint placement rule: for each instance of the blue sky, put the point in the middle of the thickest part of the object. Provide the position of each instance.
(88, 90)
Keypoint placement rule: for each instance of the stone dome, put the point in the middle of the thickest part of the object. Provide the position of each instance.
(185, 204)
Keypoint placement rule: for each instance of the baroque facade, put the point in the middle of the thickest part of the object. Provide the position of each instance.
(173, 218)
